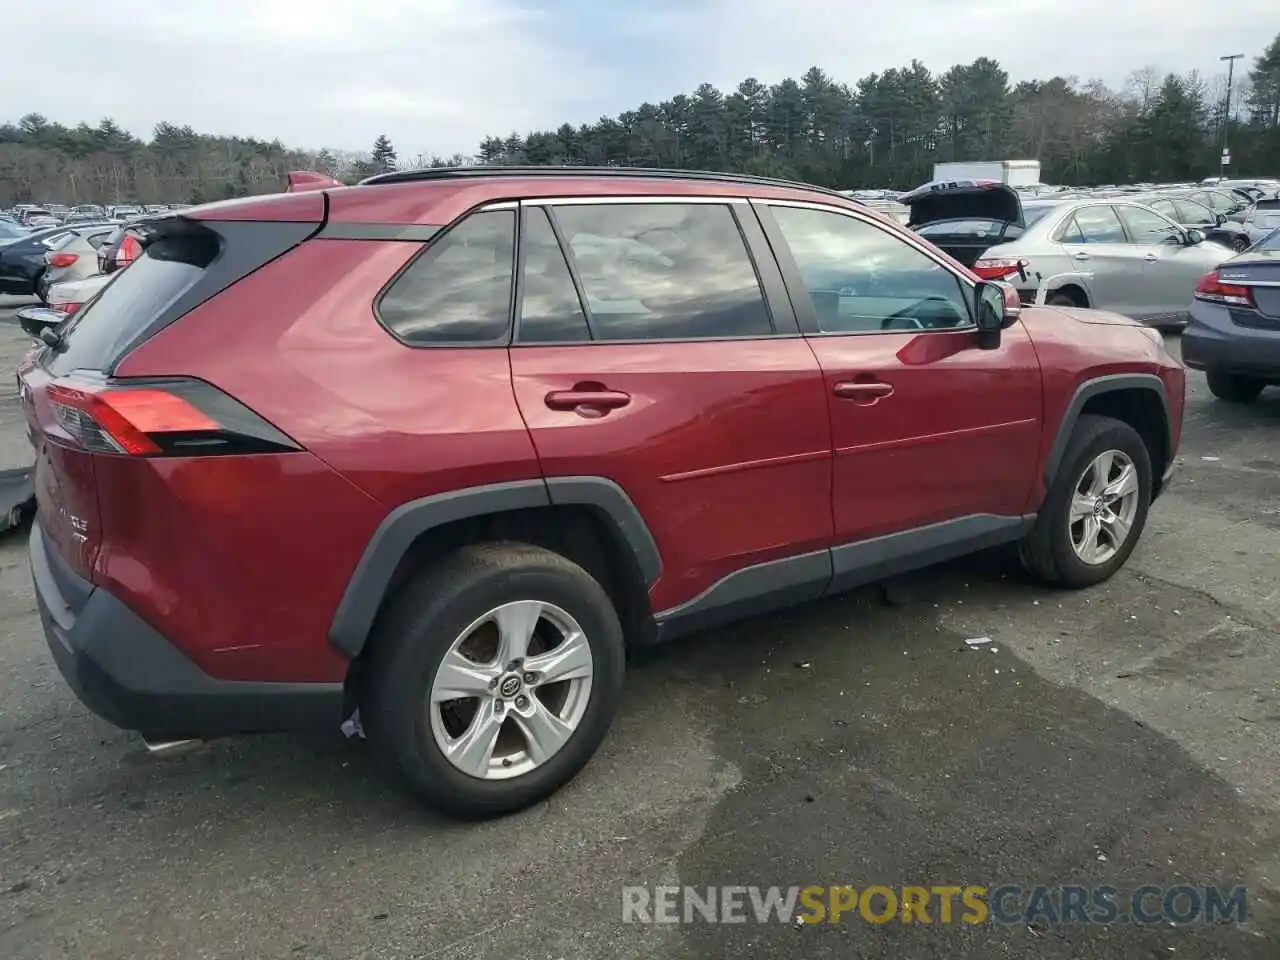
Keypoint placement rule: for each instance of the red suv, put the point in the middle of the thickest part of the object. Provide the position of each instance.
(440, 447)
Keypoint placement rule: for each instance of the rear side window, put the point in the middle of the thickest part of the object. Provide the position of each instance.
(458, 290)
(1272, 204)
(1096, 225)
(664, 271)
(97, 334)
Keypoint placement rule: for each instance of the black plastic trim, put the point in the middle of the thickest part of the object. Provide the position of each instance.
(791, 580)
(359, 606)
(806, 316)
(866, 561)
(1092, 388)
(610, 498)
(126, 672)
(412, 232)
(781, 314)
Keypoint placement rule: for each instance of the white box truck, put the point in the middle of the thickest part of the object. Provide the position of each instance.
(1013, 173)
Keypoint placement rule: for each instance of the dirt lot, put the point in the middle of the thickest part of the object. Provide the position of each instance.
(1125, 735)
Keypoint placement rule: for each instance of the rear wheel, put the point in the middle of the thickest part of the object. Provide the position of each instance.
(41, 286)
(1240, 244)
(1096, 508)
(493, 678)
(1061, 300)
(1234, 388)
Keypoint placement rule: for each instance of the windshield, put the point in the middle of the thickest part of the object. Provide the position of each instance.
(10, 231)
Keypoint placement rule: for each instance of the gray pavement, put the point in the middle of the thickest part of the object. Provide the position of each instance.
(1124, 735)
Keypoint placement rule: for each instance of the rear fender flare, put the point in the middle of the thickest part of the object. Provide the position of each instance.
(354, 618)
(1090, 389)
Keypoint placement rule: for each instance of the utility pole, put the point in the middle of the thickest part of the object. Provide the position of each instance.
(1226, 113)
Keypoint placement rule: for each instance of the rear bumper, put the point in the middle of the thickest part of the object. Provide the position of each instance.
(1212, 341)
(131, 676)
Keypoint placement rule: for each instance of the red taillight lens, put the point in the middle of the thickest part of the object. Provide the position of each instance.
(1212, 289)
(994, 269)
(61, 260)
(67, 308)
(129, 251)
(174, 417)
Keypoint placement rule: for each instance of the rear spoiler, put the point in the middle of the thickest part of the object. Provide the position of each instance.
(300, 180)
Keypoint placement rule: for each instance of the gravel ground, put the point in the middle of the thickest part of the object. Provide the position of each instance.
(1124, 735)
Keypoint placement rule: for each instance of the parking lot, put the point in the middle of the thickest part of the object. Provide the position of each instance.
(1124, 735)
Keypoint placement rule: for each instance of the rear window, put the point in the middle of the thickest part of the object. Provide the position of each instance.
(139, 294)
(978, 229)
(1272, 204)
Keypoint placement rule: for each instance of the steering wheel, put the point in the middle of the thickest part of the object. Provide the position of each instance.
(906, 313)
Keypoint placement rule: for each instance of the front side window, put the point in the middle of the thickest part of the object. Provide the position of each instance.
(663, 271)
(458, 290)
(1193, 214)
(1096, 225)
(1147, 227)
(862, 278)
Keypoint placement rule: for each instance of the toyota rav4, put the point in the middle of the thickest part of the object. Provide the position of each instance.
(438, 449)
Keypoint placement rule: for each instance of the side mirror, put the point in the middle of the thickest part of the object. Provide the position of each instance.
(998, 306)
(1195, 236)
(1220, 219)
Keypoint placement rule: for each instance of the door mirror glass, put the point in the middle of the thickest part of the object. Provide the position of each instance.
(993, 313)
(36, 320)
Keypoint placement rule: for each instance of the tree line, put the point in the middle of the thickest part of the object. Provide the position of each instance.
(885, 130)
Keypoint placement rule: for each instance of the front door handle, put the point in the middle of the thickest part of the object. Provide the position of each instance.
(1080, 255)
(587, 402)
(862, 391)
(1151, 258)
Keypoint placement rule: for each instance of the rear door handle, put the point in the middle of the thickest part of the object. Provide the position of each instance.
(587, 402)
(863, 391)
(1151, 258)
(1080, 255)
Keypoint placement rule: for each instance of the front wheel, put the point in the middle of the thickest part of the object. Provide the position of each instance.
(1096, 508)
(1233, 388)
(493, 678)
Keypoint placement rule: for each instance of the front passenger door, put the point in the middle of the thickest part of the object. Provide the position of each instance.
(928, 428)
(1169, 275)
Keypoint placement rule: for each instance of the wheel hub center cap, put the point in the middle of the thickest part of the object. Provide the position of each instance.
(510, 686)
(1099, 508)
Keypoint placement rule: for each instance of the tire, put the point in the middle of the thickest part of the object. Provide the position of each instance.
(1234, 388)
(1240, 244)
(423, 624)
(1060, 300)
(1047, 551)
(40, 288)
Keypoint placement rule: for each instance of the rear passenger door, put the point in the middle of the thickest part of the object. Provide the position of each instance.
(1095, 239)
(655, 348)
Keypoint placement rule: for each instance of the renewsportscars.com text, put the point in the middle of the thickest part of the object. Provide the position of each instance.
(943, 904)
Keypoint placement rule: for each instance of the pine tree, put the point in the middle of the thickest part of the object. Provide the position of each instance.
(383, 159)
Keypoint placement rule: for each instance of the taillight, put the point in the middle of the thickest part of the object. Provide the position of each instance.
(67, 308)
(1212, 289)
(996, 269)
(61, 260)
(157, 418)
(129, 251)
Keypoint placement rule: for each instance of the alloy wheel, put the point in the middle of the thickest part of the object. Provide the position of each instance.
(1103, 507)
(511, 690)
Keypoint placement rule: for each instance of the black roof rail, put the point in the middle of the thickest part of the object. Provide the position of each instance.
(643, 173)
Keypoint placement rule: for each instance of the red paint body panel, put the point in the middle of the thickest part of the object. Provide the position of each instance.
(399, 422)
(1072, 351)
(724, 447)
(959, 435)
(238, 561)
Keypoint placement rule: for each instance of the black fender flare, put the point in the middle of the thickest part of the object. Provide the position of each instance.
(1092, 388)
(358, 608)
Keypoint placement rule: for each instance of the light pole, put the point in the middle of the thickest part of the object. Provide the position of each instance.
(1226, 113)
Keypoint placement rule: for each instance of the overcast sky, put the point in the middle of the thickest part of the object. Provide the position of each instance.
(437, 75)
